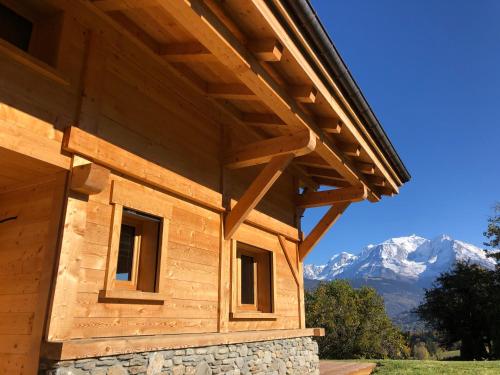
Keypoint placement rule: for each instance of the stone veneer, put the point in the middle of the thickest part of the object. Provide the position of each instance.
(276, 357)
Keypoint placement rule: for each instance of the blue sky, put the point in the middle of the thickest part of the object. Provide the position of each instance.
(431, 72)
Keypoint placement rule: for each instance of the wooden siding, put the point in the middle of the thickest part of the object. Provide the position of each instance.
(27, 250)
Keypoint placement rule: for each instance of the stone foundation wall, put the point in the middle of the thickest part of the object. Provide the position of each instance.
(277, 357)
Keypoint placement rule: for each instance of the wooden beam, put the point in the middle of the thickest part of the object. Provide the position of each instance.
(109, 155)
(303, 52)
(323, 172)
(108, 346)
(269, 50)
(209, 30)
(282, 241)
(186, 52)
(376, 180)
(234, 91)
(237, 91)
(313, 161)
(330, 125)
(262, 120)
(114, 5)
(303, 93)
(329, 197)
(257, 189)
(89, 178)
(332, 182)
(350, 149)
(321, 228)
(365, 168)
(261, 152)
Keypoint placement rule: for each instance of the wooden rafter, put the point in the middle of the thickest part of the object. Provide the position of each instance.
(236, 91)
(329, 197)
(214, 34)
(262, 120)
(321, 228)
(261, 152)
(332, 182)
(257, 189)
(114, 5)
(268, 50)
(350, 149)
(324, 172)
(366, 168)
(330, 125)
(376, 180)
(304, 58)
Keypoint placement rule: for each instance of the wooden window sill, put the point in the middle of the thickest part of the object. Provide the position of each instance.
(134, 296)
(31, 62)
(253, 315)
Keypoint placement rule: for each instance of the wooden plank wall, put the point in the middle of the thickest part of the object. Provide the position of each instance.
(27, 251)
(115, 91)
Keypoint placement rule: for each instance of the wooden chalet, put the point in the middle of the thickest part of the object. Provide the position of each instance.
(156, 157)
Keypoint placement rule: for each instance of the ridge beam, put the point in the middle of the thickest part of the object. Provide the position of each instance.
(255, 192)
(330, 197)
(300, 143)
(331, 216)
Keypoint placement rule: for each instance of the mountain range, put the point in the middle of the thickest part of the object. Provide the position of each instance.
(399, 269)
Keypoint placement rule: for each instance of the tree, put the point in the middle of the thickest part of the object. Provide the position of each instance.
(462, 306)
(420, 351)
(356, 324)
(493, 232)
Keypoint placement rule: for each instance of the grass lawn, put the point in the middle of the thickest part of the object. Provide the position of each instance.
(437, 367)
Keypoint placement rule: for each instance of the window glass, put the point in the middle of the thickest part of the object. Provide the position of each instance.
(126, 253)
(14, 28)
(247, 280)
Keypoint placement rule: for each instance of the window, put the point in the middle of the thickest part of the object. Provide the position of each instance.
(30, 29)
(253, 281)
(138, 244)
(136, 267)
(14, 28)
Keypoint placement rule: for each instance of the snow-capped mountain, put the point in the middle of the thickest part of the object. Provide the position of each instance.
(399, 269)
(411, 258)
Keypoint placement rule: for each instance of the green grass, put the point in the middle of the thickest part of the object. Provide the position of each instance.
(408, 367)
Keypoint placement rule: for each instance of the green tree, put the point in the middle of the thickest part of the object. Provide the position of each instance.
(493, 232)
(461, 307)
(356, 324)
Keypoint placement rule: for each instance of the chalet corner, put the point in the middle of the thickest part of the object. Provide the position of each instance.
(156, 157)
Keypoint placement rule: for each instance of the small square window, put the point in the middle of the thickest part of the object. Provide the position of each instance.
(254, 276)
(138, 249)
(14, 28)
(32, 27)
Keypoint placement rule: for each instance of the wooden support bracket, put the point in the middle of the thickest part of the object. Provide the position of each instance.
(261, 152)
(89, 178)
(255, 192)
(329, 197)
(282, 241)
(321, 228)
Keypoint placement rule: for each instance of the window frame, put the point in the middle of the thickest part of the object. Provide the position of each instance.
(132, 196)
(47, 25)
(251, 311)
